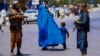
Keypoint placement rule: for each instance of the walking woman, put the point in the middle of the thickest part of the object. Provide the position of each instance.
(49, 32)
(83, 28)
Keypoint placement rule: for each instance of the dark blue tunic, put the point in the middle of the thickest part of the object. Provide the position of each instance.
(64, 32)
(82, 43)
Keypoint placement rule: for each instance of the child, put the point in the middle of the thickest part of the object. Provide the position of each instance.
(64, 32)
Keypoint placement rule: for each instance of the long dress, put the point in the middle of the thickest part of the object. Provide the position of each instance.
(82, 42)
(49, 32)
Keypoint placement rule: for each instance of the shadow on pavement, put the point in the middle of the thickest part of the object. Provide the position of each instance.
(23, 55)
(1, 55)
(56, 49)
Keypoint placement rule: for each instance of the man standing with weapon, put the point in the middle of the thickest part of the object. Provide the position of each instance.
(15, 19)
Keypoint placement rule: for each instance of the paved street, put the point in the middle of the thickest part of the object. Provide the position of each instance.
(30, 39)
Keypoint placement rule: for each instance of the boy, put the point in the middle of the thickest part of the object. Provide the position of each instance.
(64, 32)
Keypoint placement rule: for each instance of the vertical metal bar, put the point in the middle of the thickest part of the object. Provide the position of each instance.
(10, 3)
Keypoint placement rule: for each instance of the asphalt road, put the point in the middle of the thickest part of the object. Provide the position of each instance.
(30, 39)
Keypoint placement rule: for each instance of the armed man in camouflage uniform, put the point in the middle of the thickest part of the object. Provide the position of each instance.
(15, 19)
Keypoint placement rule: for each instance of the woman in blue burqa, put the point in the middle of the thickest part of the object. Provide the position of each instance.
(49, 32)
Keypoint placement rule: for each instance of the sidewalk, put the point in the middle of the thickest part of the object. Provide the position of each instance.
(94, 9)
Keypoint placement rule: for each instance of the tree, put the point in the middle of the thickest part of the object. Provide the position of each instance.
(63, 2)
(58, 2)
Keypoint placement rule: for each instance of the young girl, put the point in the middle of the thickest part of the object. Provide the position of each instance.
(64, 32)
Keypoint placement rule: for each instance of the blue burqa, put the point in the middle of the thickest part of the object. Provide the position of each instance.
(49, 32)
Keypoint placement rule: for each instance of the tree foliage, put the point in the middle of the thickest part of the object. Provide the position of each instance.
(58, 3)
